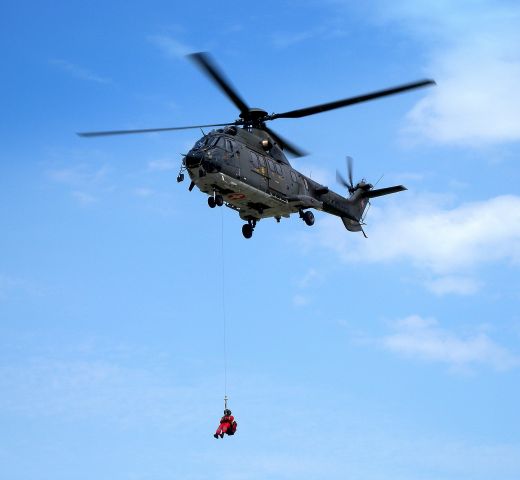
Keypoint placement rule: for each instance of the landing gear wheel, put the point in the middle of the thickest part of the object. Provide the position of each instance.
(308, 218)
(219, 200)
(247, 230)
(211, 202)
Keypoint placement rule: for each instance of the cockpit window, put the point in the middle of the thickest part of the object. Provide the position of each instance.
(201, 143)
(218, 142)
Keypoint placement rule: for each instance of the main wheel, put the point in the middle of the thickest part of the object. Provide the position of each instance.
(247, 230)
(308, 218)
(211, 202)
(219, 200)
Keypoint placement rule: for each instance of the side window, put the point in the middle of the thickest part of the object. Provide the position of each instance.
(229, 146)
(271, 165)
(254, 159)
(279, 170)
(220, 143)
(261, 161)
(293, 176)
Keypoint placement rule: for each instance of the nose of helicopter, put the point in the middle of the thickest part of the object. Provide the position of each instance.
(210, 162)
(193, 159)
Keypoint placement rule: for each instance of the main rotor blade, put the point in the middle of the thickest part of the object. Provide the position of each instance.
(324, 107)
(285, 144)
(207, 65)
(147, 130)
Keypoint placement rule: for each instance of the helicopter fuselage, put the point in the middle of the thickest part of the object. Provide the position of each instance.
(254, 177)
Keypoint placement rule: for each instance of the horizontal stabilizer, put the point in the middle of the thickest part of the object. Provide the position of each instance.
(384, 191)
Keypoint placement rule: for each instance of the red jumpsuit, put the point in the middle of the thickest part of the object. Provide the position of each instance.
(226, 423)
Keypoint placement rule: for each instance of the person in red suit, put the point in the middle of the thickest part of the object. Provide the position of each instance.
(227, 425)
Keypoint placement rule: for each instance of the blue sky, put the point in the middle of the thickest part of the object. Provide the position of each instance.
(395, 357)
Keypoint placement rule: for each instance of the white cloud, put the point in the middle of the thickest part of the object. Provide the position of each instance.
(317, 173)
(310, 277)
(162, 165)
(86, 182)
(286, 39)
(13, 286)
(84, 198)
(144, 192)
(474, 56)
(300, 300)
(453, 284)
(443, 240)
(80, 72)
(470, 106)
(87, 388)
(79, 175)
(6, 285)
(418, 337)
(170, 46)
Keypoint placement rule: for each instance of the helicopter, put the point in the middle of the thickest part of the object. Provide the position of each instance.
(243, 164)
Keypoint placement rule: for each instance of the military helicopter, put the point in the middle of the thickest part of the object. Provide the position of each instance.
(243, 164)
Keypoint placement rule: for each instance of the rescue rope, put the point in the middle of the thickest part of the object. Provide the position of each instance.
(224, 306)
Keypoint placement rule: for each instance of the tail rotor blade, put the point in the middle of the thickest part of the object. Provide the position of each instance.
(341, 180)
(350, 168)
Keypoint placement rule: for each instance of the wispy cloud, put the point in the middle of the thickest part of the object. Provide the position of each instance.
(86, 182)
(10, 285)
(474, 56)
(330, 28)
(144, 192)
(310, 277)
(305, 284)
(84, 198)
(287, 39)
(425, 339)
(79, 175)
(314, 171)
(449, 242)
(87, 388)
(82, 73)
(300, 300)
(170, 46)
(456, 284)
(6, 285)
(163, 165)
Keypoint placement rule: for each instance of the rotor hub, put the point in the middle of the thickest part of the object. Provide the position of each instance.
(254, 115)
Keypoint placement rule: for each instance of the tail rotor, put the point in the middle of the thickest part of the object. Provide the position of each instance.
(341, 180)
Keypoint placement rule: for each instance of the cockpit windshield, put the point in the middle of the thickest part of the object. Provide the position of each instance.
(209, 141)
(201, 143)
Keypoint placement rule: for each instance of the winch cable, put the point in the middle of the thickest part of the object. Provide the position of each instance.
(224, 319)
